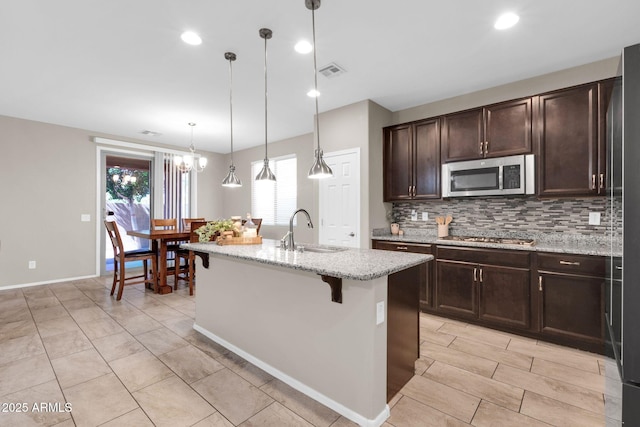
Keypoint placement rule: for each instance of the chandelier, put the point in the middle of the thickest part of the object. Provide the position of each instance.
(191, 161)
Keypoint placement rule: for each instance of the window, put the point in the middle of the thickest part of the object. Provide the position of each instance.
(274, 202)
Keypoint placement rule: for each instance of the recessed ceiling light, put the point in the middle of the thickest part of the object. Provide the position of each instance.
(191, 38)
(506, 20)
(313, 93)
(303, 46)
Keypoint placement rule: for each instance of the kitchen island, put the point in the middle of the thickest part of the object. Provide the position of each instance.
(341, 327)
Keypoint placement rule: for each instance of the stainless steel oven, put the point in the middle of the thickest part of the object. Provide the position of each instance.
(489, 177)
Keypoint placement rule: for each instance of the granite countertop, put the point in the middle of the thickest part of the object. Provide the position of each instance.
(567, 245)
(356, 264)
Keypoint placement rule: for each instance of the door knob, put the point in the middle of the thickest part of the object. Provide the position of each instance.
(352, 234)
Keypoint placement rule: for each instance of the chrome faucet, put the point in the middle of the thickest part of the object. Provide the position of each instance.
(288, 241)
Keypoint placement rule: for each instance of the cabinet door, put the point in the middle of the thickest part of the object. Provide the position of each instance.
(508, 128)
(572, 307)
(462, 135)
(567, 131)
(504, 296)
(398, 162)
(456, 288)
(427, 159)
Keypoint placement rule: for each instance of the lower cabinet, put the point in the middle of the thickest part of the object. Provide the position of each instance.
(491, 286)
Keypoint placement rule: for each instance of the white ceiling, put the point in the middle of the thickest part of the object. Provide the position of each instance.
(119, 66)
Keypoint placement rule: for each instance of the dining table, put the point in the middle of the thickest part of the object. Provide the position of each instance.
(160, 240)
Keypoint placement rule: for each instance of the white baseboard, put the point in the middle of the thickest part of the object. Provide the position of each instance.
(47, 282)
(303, 388)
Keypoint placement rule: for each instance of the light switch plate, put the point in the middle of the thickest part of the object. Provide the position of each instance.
(594, 218)
(380, 313)
(32, 265)
(425, 216)
(85, 217)
(414, 215)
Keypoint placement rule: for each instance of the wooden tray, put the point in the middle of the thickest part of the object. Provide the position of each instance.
(239, 240)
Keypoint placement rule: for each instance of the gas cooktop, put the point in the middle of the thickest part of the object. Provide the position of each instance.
(499, 240)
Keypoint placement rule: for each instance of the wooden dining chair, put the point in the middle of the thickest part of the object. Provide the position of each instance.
(172, 248)
(121, 257)
(190, 258)
(186, 222)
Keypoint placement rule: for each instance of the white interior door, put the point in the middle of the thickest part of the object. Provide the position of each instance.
(339, 205)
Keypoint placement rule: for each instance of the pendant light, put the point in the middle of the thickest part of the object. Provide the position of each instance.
(320, 169)
(265, 174)
(190, 161)
(231, 180)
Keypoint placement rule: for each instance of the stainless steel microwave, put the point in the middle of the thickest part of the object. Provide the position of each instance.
(489, 177)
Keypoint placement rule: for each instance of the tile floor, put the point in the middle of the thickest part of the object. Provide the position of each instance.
(138, 362)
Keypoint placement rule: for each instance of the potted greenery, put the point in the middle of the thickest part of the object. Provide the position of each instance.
(214, 229)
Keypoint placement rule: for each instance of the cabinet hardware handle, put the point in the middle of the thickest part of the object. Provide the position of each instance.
(481, 152)
(409, 191)
(401, 248)
(601, 181)
(569, 262)
(618, 267)
(475, 274)
(593, 181)
(414, 191)
(540, 283)
(480, 275)
(486, 148)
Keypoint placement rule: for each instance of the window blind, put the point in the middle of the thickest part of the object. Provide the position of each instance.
(274, 202)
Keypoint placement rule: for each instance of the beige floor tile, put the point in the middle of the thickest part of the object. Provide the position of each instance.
(139, 324)
(431, 323)
(411, 413)
(486, 336)
(78, 303)
(119, 309)
(17, 329)
(162, 313)
(436, 337)
(579, 360)
(88, 314)
(43, 302)
(49, 393)
(558, 413)
(463, 360)
(595, 382)
(135, 418)
(505, 395)
(99, 400)
(14, 312)
(234, 397)
(173, 403)
(246, 370)
(79, 367)
(161, 341)
(9, 294)
(140, 370)
(490, 415)
(441, 397)
(215, 420)
(343, 422)
(206, 345)
(511, 358)
(65, 344)
(275, 415)
(66, 294)
(422, 364)
(100, 328)
(182, 326)
(113, 347)
(62, 325)
(552, 388)
(44, 314)
(20, 348)
(190, 364)
(25, 373)
(309, 409)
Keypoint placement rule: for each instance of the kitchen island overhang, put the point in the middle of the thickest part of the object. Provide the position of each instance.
(272, 308)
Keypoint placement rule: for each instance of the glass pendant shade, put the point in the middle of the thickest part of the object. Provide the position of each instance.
(320, 169)
(231, 180)
(265, 174)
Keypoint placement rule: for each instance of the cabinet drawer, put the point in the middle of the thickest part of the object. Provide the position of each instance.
(485, 256)
(575, 264)
(402, 247)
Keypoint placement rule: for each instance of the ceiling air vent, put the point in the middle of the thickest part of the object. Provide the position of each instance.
(150, 133)
(331, 70)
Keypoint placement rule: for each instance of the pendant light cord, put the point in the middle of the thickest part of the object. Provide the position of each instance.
(231, 104)
(315, 74)
(265, 99)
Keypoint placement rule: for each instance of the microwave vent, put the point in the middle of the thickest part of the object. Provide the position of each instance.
(332, 70)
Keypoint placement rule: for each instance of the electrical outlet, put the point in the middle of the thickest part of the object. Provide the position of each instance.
(425, 216)
(594, 218)
(32, 265)
(380, 313)
(85, 217)
(414, 215)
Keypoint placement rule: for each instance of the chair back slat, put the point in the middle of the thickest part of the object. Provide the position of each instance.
(193, 236)
(186, 222)
(114, 236)
(167, 224)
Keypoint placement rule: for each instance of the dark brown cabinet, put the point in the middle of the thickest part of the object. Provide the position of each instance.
(502, 129)
(426, 270)
(570, 133)
(412, 161)
(571, 299)
(492, 286)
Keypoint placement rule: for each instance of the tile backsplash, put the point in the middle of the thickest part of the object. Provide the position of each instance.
(519, 215)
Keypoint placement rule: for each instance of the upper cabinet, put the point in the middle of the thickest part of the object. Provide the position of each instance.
(570, 133)
(497, 130)
(412, 161)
